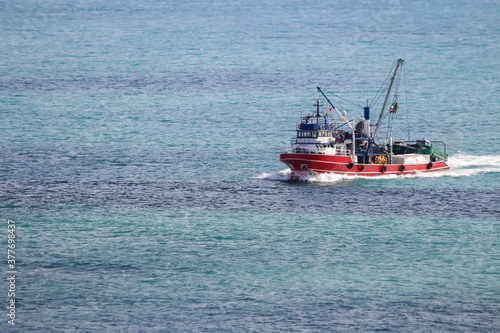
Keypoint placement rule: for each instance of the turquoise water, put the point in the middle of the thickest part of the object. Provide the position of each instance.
(139, 159)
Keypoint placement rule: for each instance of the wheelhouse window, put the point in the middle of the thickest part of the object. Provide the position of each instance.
(324, 133)
(306, 134)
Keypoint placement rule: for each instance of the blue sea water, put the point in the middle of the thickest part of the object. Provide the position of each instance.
(139, 160)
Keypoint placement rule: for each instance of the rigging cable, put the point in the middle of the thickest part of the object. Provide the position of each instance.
(378, 95)
(348, 101)
(406, 98)
(394, 101)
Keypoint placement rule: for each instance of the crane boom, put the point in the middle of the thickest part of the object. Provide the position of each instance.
(398, 63)
(333, 106)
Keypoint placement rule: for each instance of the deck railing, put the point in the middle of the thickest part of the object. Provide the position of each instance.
(440, 143)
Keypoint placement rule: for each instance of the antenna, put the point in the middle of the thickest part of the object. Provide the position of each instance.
(317, 105)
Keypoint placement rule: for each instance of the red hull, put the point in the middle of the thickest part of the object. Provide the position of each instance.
(303, 163)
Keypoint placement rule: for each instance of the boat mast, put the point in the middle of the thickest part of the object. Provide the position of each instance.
(317, 108)
(398, 63)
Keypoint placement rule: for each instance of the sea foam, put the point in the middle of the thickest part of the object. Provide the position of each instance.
(462, 165)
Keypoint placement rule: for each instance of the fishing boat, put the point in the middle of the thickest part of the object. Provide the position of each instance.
(352, 146)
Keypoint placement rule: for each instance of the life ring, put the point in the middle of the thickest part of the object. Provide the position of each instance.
(402, 168)
(383, 169)
(429, 166)
(350, 165)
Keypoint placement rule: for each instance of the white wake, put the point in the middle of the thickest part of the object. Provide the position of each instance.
(280, 175)
(462, 165)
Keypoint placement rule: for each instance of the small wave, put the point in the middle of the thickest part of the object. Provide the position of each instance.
(280, 175)
(461, 166)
